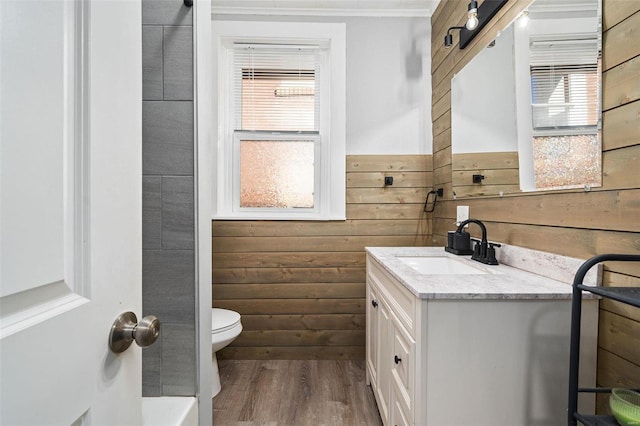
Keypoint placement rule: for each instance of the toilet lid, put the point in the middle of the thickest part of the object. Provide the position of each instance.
(222, 319)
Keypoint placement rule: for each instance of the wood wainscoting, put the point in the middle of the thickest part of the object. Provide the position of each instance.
(578, 224)
(499, 171)
(300, 285)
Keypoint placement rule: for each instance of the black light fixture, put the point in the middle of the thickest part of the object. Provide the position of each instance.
(477, 18)
(448, 39)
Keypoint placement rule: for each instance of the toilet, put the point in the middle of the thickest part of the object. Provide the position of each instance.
(225, 327)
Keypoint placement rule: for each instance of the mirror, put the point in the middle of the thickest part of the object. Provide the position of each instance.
(526, 111)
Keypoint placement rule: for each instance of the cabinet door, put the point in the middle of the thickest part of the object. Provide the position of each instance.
(403, 366)
(385, 359)
(398, 415)
(372, 335)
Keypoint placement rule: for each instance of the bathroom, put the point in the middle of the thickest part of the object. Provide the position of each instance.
(300, 285)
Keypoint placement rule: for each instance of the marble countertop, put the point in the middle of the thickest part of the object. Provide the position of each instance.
(504, 281)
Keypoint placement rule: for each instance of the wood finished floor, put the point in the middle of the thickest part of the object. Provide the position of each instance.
(292, 393)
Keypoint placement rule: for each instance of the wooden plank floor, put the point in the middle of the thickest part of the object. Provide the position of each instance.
(291, 393)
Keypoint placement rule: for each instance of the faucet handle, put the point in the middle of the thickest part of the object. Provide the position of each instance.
(477, 244)
(476, 249)
(491, 254)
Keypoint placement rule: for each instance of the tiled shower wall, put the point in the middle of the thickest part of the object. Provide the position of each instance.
(169, 366)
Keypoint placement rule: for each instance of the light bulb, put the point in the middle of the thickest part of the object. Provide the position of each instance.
(472, 21)
(524, 19)
(472, 16)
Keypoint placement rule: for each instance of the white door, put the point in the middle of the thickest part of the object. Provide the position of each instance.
(70, 231)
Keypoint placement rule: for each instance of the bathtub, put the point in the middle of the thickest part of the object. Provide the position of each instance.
(170, 411)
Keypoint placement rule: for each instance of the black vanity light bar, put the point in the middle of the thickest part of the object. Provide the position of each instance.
(486, 12)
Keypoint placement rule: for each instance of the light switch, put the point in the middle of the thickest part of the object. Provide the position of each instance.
(462, 214)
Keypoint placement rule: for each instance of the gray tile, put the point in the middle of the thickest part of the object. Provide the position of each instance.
(151, 63)
(167, 138)
(179, 360)
(178, 63)
(168, 284)
(152, 212)
(152, 368)
(178, 227)
(166, 12)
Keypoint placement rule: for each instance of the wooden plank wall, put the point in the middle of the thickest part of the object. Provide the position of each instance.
(300, 285)
(499, 169)
(579, 224)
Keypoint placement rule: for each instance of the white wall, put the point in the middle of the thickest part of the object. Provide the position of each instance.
(389, 86)
(544, 27)
(488, 79)
(388, 82)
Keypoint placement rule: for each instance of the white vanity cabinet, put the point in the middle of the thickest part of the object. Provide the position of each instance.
(390, 345)
(470, 359)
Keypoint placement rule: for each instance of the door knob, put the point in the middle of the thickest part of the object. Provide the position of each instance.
(126, 329)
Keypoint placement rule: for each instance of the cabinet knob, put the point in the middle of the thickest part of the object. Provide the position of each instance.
(374, 303)
(397, 359)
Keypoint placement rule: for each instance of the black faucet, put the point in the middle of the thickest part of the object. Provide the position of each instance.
(459, 242)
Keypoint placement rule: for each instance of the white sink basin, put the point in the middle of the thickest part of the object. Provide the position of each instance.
(439, 265)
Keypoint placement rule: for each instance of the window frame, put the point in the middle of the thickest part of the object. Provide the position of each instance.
(330, 149)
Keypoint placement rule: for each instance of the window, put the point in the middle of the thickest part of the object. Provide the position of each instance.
(276, 98)
(281, 121)
(564, 97)
(564, 85)
(565, 112)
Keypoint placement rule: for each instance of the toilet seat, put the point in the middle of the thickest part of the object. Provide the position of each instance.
(223, 320)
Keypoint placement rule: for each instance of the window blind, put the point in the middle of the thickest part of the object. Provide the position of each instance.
(276, 87)
(564, 83)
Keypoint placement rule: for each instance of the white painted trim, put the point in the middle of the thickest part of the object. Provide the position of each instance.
(573, 8)
(203, 109)
(307, 11)
(36, 314)
(82, 277)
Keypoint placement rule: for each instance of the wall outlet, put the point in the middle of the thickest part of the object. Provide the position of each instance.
(462, 214)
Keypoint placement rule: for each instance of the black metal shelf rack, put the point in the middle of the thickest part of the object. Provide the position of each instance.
(630, 296)
(595, 420)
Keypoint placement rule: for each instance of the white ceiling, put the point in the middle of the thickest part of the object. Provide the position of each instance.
(326, 7)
